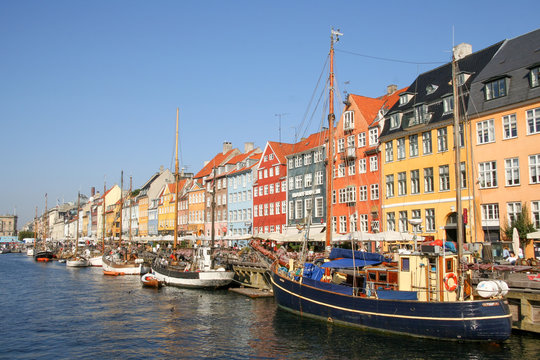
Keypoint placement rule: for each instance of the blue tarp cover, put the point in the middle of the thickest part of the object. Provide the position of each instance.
(397, 295)
(312, 272)
(338, 253)
(328, 286)
(349, 263)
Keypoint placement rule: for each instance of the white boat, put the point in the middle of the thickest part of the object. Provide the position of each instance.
(30, 251)
(77, 262)
(131, 267)
(197, 274)
(96, 261)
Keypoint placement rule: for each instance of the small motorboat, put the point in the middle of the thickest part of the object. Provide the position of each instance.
(149, 280)
(113, 273)
(77, 262)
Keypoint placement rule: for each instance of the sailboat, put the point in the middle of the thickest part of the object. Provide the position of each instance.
(76, 260)
(117, 263)
(201, 272)
(97, 260)
(421, 294)
(43, 255)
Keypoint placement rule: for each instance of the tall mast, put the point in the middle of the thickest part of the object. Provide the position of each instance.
(213, 219)
(121, 205)
(103, 229)
(176, 185)
(130, 207)
(77, 228)
(35, 231)
(334, 37)
(457, 171)
(46, 225)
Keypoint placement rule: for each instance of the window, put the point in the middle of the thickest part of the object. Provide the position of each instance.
(463, 171)
(353, 222)
(298, 181)
(403, 99)
(495, 89)
(534, 169)
(308, 180)
(307, 159)
(415, 181)
(513, 209)
(389, 186)
(334, 196)
(291, 163)
(277, 205)
(415, 214)
(402, 183)
(533, 121)
(511, 167)
(413, 145)
(297, 161)
(389, 151)
(318, 207)
(391, 221)
(430, 220)
(444, 178)
(373, 163)
(265, 189)
(317, 156)
(374, 188)
(341, 170)
(362, 167)
(298, 209)
(426, 143)
(348, 120)
(291, 183)
(271, 208)
(276, 171)
(485, 131)
(319, 177)
(487, 172)
(490, 212)
(270, 188)
(442, 141)
(428, 180)
(373, 136)
(341, 145)
(270, 174)
(350, 142)
(403, 224)
(361, 139)
(308, 203)
(362, 193)
(395, 121)
(277, 188)
(509, 126)
(351, 166)
(364, 223)
(420, 115)
(448, 104)
(401, 148)
(342, 224)
(284, 207)
(535, 214)
(265, 209)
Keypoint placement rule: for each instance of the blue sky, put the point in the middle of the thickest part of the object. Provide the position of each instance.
(90, 88)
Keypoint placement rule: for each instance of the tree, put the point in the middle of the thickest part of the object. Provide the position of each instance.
(524, 226)
(26, 234)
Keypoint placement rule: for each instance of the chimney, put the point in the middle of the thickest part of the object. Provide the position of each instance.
(248, 146)
(390, 89)
(462, 50)
(161, 169)
(227, 146)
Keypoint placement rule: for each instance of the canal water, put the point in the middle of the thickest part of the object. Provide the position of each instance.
(49, 311)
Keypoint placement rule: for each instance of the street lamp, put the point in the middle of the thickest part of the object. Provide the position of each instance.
(415, 222)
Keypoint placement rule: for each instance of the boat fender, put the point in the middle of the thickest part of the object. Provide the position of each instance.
(450, 281)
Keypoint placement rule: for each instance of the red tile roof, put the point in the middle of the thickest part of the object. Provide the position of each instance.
(216, 161)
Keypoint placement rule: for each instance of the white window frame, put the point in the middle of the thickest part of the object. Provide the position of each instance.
(509, 126)
(485, 131)
(534, 169)
(511, 170)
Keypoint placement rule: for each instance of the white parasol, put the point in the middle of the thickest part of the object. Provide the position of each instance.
(515, 241)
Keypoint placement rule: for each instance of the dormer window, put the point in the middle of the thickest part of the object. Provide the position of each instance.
(448, 104)
(348, 120)
(395, 120)
(534, 76)
(403, 99)
(420, 115)
(462, 78)
(430, 89)
(496, 88)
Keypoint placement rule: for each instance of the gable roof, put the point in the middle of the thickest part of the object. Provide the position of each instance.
(312, 141)
(216, 161)
(280, 150)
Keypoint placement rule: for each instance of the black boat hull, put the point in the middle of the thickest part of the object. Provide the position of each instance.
(481, 320)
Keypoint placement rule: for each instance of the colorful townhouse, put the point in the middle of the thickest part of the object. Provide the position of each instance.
(196, 208)
(270, 189)
(240, 195)
(418, 152)
(356, 193)
(166, 214)
(148, 195)
(111, 197)
(306, 184)
(504, 108)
